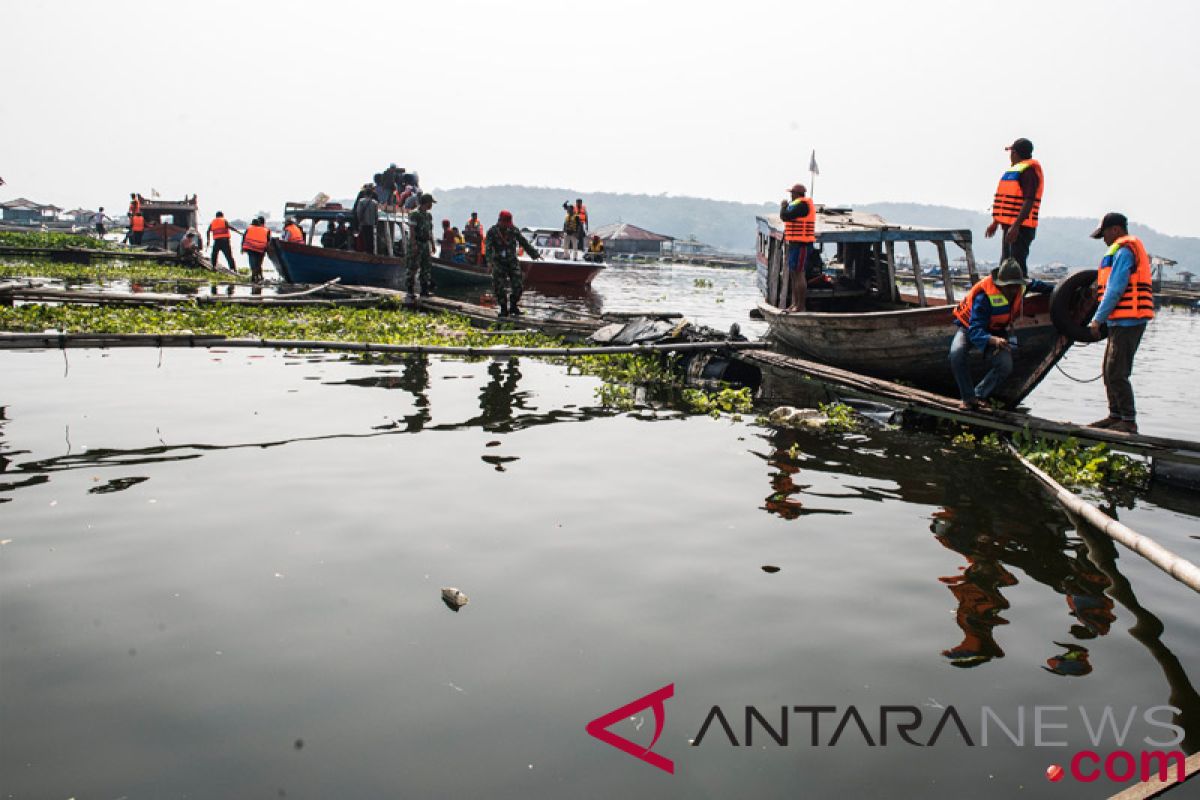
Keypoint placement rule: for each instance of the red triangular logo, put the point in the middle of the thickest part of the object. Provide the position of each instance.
(654, 701)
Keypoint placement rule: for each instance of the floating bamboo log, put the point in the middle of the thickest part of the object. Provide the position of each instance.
(12, 341)
(1156, 788)
(1174, 565)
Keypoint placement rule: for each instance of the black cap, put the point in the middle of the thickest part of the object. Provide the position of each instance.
(1110, 219)
(427, 198)
(1022, 147)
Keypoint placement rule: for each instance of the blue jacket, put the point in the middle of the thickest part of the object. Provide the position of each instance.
(981, 314)
(1118, 279)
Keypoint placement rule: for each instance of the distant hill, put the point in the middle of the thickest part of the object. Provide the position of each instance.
(729, 226)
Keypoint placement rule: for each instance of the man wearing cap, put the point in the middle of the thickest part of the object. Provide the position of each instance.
(1126, 295)
(421, 225)
(501, 244)
(1017, 203)
(983, 321)
(799, 231)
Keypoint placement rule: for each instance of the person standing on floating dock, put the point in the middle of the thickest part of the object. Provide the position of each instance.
(983, 320)
(501, 244)
(1126, 295)
(1017, 204)
(421, 224)
(254, 245)
(137, 228)
(800, 232)
(98, 221)
(218, 235)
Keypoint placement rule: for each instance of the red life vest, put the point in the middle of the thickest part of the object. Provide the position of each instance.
(581, 210)
(293, 233)
(805, 228)
(219, 228)
(1002, 311)
(1009, 199)
(255, 239)
(138, 223)
(1137, 301)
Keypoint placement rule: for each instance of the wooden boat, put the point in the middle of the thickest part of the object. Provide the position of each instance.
(862, 322)
(167, 221)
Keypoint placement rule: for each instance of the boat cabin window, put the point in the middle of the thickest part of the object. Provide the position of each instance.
(547, 239)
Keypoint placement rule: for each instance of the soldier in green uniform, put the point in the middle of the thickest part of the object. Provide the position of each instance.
(421, 224)
(501, 244)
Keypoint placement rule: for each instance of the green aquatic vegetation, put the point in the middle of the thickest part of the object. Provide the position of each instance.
(101, 273)
(1072, 463)
(728, 400)
(54, 239)
(839, 416)
(702, 283)
(968, 439)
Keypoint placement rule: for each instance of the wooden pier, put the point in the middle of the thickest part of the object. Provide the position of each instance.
(787, 378)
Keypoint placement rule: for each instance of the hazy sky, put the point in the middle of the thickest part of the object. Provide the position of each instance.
(252, 104)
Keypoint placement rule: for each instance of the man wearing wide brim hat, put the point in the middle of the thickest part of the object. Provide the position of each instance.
(984, 321)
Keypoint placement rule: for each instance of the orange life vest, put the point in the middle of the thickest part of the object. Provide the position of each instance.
(1002, 311)
(1137, 301)
(138, 223)
(805, 228)
(219, 228)
(293, 233)
(255, 239)
(1009, 199)
(135, 207)
(582, 212)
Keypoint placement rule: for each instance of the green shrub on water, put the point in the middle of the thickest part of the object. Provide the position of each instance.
(54, 239)
(109, 271)
(1071, 463)
(728, 400)
(968, 439)
(840, 417)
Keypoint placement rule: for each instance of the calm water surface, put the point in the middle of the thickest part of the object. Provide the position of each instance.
(220, 576)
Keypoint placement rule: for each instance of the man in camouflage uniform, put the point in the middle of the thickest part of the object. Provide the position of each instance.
(421, 225)
(501, 246)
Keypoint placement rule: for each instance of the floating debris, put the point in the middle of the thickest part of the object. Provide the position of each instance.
(116, 485)
(770, 569)
(454, 598)
(790, 417)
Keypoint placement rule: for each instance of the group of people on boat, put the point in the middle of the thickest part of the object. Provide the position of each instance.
(984, 319)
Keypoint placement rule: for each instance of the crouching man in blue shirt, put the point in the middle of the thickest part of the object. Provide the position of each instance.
(984, 320)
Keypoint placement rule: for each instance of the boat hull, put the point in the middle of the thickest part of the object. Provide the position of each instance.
(913, 345)
(303, 263)
(549, 271)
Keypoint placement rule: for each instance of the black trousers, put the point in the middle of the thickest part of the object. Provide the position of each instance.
(222, 246)
(1018, 249)
(256, 260)
(367, 234)
(1123, 344)
(135, 237)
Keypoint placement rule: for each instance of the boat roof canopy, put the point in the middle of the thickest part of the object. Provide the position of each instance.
(842, 225)
(303, 211)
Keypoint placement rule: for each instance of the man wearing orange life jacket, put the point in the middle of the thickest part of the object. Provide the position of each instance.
(983, 321)
(1017, 203)
(292, 232)
(218, 236)
(254, 245)
(800, 232)
(137, 227)
(581, 212)
(1126, 295)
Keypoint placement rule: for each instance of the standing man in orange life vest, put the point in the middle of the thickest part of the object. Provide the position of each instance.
(800, 232)
(1017, 204)
(218, 236)
(254, 245)
(1126, 304)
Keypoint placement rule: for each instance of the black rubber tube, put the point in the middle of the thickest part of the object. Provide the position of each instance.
(1072, 304)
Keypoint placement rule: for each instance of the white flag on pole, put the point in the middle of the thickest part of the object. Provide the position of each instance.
(812, 164)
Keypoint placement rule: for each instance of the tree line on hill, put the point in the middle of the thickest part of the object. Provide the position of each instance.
(729, 226)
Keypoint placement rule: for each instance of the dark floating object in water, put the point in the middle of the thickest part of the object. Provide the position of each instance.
(768, 568)
(298, 744)
(493, 443)
(454, 598)
(499, 461)
(116, 485)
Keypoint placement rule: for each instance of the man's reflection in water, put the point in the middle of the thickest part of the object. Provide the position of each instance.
(499, 397)
(780, 501)
(990, 544)
(414, 379)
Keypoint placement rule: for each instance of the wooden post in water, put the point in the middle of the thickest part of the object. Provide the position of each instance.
(893, 290)
(971, 270)
(916, 270)
(944, 263)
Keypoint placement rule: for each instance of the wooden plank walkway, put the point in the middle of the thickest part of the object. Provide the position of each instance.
(906, 398)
